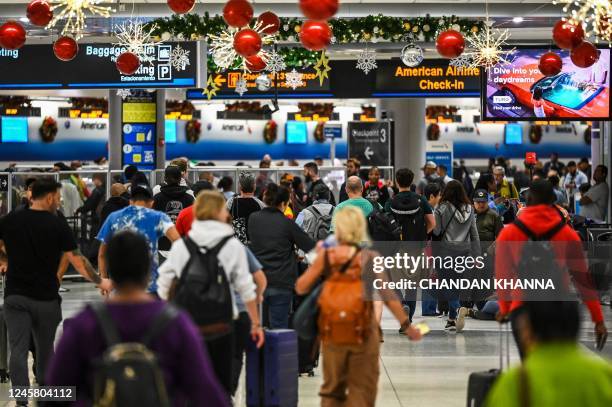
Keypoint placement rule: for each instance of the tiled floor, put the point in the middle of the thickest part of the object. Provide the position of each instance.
(432, 372)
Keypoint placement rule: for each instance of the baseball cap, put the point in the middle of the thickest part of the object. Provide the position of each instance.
(141, 191)
(430, 164)
(481, 196)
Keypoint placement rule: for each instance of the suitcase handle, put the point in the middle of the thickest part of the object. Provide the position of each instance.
(504, 328)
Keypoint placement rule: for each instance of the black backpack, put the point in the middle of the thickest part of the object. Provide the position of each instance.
(411, 217)
(320, 225)
(204, 290)
(128, 374)
(538, 259)
(383, 227)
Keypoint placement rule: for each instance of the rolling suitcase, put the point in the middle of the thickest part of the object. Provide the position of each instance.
(480, 383)
(272, 371)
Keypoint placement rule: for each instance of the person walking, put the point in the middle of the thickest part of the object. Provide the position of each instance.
(540, 220)
(273, 238)
(241, 207)
(350, 351)
(32, 244)
(594, 203)
(138, 216)
(315, 219)
(211, 232)
(557, 370)
(457, 233)
(187, 371)
(353, 166)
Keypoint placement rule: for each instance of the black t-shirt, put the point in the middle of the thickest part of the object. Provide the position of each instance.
(35, 242)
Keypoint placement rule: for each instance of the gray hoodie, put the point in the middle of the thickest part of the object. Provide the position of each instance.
(461, 229)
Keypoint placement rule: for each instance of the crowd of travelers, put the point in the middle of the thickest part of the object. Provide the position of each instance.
(192, 276)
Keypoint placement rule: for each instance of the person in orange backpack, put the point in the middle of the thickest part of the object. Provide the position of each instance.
(347, 326)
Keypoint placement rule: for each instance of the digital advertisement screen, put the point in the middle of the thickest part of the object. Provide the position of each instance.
(170, 132)
(519, 91)
(513, 133)
(296, 132)
(14, 129)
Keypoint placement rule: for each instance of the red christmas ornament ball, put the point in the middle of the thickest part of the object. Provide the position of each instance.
(12, 35)
(181, 6)
(255, 63)
(271, 21)
(319, 9)
(247, 42)
(450, 44)
(567, 35)
(584, 55)
(39, 12)
(550, 64)
(128, 63)
(315, 35)
(65, 48)
(237, 13)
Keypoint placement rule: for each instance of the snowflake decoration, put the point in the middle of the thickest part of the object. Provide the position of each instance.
(241, 86)
(487, 46)
(275, 63)
(594, 15)
(179, 58)
(223, 52)
(366, 61)
(74, 12)
(294, 79)
(124, 93)
(462, 61)
(135, 38)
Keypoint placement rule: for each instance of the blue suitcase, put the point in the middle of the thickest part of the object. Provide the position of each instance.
(272, 372)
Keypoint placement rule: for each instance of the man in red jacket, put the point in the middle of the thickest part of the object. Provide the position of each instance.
(543, 221)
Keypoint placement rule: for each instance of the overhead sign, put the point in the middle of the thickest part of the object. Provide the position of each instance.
(332, 130)
(36, 67)
(225, 85)
(440, 152)
(370, 142)
(434, 77)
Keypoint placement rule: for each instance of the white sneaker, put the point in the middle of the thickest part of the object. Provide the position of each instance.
(460, 321)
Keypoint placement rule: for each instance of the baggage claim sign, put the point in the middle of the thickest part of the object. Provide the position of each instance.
(36, 67)
(434, 77)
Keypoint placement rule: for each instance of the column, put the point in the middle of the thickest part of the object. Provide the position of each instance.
(160, 145)
(409, 136)
(114, 130)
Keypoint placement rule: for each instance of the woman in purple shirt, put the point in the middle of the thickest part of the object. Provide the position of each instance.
(181, 356)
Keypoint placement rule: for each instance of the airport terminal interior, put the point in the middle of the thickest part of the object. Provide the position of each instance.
(213, 203)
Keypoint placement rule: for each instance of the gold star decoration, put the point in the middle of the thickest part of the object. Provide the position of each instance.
(322, 68)
(74, 12)
(594, 15)
(211, 88)
(488, 47)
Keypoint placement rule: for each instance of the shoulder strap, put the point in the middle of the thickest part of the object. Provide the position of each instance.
(217, 248)
(448, 223)
(314, 210)
(106, 323)
(326, 267)
(346, 265)
(167, 315)
(545, 236)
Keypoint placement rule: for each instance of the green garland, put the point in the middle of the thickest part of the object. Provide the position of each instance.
(372, 28)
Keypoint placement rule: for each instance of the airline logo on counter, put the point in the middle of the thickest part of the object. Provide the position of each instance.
(434, 76)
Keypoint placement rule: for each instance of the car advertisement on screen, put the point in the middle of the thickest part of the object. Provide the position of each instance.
(519, 91)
